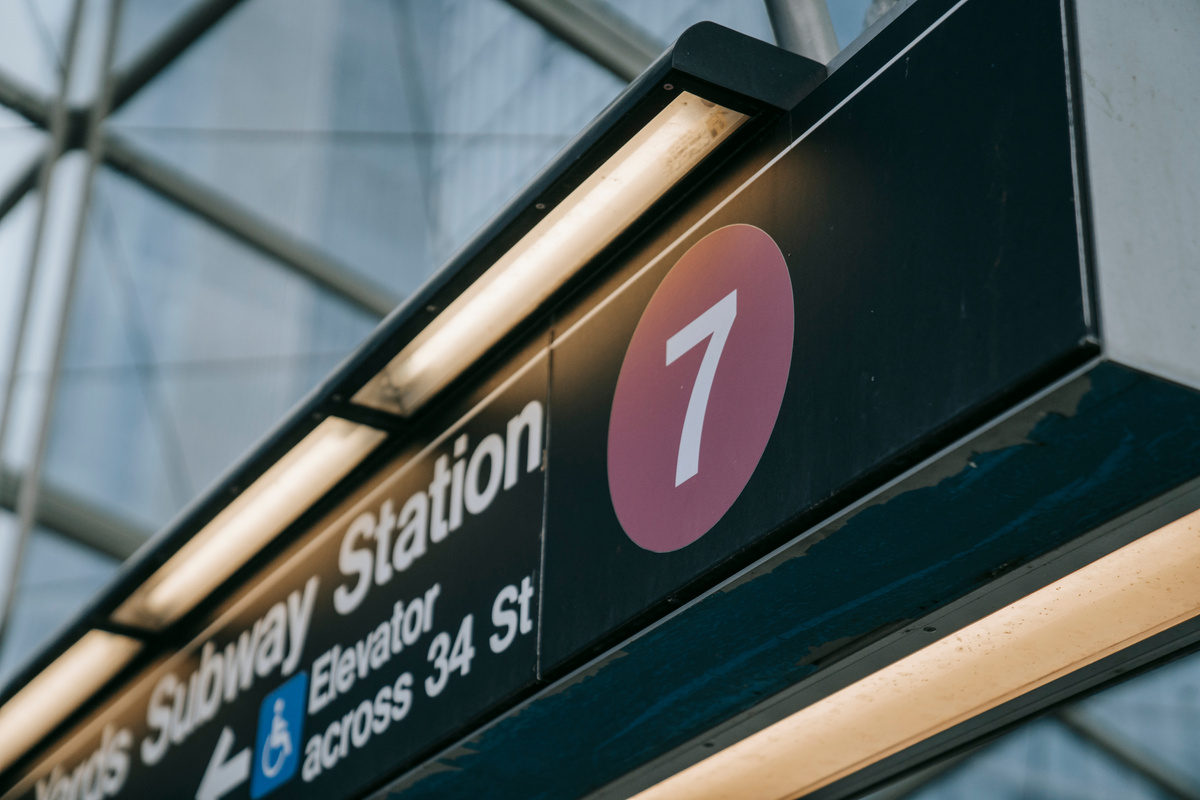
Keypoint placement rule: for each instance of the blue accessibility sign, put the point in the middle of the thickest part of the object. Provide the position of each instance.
(280, 731)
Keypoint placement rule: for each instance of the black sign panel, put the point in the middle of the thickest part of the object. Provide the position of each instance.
(929, 229)
(765, 353)
(409, 613)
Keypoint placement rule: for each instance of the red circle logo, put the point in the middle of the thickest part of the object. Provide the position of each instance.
(700, 388)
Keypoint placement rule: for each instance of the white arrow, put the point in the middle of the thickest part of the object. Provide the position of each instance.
(222, 776)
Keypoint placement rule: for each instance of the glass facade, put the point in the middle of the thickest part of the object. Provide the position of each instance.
(1135, 741)
(370, 138)
(158, 312)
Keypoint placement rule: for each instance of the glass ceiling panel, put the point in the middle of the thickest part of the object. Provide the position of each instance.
(31, 41)
(1154, 717)
(184, 349)
(58, 577)
(383, 132)
(20, 143)
(142, 22)
(1159, 714)
(198, 295)
(848, 18)
(10, 120)
(1040, 761)
(666, 19)
(16, 231)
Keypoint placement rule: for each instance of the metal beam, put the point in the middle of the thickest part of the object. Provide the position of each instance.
(78, 520)
(248, 227)
(910, 785)
(804, 27)
(160, 54)
(597, 31)
(156, 57)
(1116, 747)
(26, 501)
(26, 181)
(24, 101)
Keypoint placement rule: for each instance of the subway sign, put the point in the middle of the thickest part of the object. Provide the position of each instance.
(878, 269)
(411, 612)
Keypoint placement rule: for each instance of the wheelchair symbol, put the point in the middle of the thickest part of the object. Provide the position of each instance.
(280, 734)
(279, 743)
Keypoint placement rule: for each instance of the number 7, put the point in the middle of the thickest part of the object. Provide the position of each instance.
(716, 323)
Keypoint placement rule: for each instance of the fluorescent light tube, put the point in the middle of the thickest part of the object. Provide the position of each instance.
(638, 174)
(1142, 589)
(59, 689)
(245, 526)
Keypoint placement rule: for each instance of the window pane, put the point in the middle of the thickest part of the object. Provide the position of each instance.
(1152, 719)
(849, 18)
(666, 19)
(143, 21)
(20, 143)
(1159, 713)
(1041, 761)
(16, 232)
(184, 349)
(32, 35)
(383, 132)
(58, 576)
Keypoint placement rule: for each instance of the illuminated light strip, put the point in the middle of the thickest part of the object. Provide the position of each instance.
(1129, 595)
(59, 689)
(245, 526)
(590, 218)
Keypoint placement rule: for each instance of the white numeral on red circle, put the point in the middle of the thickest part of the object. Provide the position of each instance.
(716, 323)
